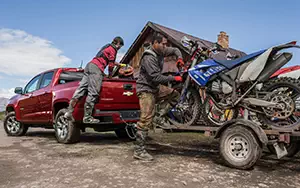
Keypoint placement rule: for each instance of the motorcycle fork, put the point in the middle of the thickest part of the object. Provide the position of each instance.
(184, 89)
(187, 81)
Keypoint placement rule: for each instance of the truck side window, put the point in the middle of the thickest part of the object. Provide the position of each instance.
(32, 85)
(47, 79)
(70, 76)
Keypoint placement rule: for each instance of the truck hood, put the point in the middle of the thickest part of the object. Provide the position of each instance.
(14, 99)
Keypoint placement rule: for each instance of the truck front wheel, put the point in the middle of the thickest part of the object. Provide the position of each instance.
(66, 132)
(13, 127)
(239, 147)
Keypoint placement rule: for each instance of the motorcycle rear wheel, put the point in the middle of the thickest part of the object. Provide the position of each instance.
(293, 91)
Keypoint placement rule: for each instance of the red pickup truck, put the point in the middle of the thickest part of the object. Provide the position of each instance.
(43, 102)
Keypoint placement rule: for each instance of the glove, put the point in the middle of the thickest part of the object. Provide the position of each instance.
(178, 78)
(179, 62)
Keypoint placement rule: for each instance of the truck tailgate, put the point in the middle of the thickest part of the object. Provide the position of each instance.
(116, 95)
(118, 91)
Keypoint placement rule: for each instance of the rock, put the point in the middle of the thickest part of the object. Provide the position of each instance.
(262, 185)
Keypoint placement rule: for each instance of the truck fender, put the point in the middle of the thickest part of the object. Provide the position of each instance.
(261, 135)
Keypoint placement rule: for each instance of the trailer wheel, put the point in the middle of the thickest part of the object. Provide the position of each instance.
(239, 147)
(292, 149)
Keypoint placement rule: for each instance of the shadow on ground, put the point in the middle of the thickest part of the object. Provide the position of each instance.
(188, 145)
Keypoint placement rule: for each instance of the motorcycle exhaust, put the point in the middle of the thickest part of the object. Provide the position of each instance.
(273, 65)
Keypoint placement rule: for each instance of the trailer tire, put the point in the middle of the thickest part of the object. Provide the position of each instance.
(239, 147)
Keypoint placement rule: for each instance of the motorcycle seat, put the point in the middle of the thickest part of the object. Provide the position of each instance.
(230, 64)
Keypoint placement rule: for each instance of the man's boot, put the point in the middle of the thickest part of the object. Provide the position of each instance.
(160, 119)
(69, 114)
(88, 118)
(139, 146)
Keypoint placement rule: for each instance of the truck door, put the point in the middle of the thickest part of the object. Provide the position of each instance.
(28, 103)
(44, 94)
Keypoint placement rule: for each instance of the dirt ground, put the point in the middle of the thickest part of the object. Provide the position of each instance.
(102, 160)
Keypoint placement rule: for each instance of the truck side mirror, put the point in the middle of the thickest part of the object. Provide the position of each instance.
(18, 90)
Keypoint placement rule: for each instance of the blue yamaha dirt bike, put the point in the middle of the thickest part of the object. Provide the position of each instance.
(216, 90)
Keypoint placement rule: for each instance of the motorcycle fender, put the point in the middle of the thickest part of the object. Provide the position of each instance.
(259, 132)
(256, 67)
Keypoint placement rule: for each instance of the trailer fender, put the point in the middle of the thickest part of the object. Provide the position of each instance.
(261, 135)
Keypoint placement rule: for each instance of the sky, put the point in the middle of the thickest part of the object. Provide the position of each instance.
(39, 35)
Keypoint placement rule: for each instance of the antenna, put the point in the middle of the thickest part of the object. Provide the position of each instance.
(81, 64)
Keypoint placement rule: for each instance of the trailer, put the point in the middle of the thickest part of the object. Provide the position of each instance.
(241, 141)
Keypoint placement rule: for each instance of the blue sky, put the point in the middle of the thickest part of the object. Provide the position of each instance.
(48, 34)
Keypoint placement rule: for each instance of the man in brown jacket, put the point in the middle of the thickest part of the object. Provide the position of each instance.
(150, 90)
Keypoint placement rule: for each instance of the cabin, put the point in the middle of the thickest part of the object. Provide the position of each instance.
(134, 53)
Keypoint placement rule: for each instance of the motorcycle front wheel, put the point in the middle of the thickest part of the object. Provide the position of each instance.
(213, 116)
(187, 111)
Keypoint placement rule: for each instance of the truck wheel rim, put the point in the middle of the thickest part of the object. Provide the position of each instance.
(62, 127)
(13, 125)
(238, 147)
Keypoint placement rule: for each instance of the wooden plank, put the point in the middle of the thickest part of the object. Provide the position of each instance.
(213, 129)
(198, 128)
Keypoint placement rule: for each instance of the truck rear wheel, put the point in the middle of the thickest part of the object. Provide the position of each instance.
(239, 147)
(13, 127)
(66, 132)
(129, 134)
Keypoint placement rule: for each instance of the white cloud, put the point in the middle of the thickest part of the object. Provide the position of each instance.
(26, 55)
(7, 93)
(24, 81)
(120, 55)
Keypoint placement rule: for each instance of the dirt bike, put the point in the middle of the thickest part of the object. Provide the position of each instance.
(225, 87)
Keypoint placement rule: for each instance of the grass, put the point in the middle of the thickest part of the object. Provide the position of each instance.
(2, 115)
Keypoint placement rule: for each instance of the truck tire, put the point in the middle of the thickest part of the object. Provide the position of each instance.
(239, 147)
(292, 149)
(66, 132)
(121, 133)
(13, 127)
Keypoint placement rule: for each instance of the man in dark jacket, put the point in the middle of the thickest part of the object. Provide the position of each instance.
(150, 90)
(92, 80)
